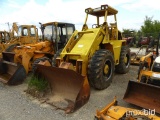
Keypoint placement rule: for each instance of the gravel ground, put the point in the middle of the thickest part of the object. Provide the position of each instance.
(16, 105)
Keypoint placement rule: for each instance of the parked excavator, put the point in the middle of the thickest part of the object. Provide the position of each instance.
(145, 92)
(90, 56)
(114, 112)
(14, 66)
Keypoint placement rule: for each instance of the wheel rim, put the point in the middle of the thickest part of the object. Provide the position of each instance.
(107, 69)
(125, 59)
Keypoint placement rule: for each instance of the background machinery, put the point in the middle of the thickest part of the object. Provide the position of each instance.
(145, 91)
(143, 50)
(4, 36)
(26, 34)
(144, 41)
(130, 41)
(15, 65)
(136, 56)
(90, 56)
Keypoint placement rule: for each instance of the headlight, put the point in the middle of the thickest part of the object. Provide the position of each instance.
(88, 10)
(104, 7)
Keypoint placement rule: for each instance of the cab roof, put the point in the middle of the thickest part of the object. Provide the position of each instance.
(100, 11)
(59, 23)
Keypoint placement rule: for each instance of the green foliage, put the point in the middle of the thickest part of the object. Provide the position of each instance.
(150, 27)
(39, 83)
(128, 33)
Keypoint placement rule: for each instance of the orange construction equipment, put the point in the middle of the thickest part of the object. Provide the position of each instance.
(114, 112)
(16, 65)
(26, 34)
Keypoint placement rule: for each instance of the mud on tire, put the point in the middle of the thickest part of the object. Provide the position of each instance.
(101, 69)
(124, 60)
(34, 65)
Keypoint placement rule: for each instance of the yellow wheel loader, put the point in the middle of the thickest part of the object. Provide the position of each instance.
(114, 112)
(26, 34)
(90, 56)
(145, 92)
(14, 66)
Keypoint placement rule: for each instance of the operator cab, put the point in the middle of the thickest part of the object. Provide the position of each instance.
(27, 34)
(104, 14)
(57, 32)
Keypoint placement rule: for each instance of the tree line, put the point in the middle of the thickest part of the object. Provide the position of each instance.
(150, 28)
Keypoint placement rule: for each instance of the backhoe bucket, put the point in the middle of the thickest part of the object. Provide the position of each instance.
(143, 95)
(69, 90)
(10, 72)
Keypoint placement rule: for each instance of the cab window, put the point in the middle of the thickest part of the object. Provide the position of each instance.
(32, 30)
(25, 32)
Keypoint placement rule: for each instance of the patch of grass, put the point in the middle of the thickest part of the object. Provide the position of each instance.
(39, 83)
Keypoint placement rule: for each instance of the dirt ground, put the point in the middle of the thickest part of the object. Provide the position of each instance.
(15, 104)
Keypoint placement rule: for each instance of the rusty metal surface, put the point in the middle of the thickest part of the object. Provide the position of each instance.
(8, 56)
(69, 90)
(143, 95)
(11, 74)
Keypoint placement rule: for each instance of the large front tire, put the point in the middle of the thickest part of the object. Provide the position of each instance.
(34, 65)
(101, 69)
(124, 60)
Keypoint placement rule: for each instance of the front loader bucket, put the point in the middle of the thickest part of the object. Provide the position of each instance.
(143, 95)
(11, 73)
(69, 90)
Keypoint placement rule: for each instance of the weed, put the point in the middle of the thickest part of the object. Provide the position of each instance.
(39, 83)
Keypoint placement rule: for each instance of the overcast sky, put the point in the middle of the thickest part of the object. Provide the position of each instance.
(131, 13)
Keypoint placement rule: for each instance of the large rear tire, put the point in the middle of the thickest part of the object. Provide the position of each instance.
(124, 60)
(101, 69)
(34, 65)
